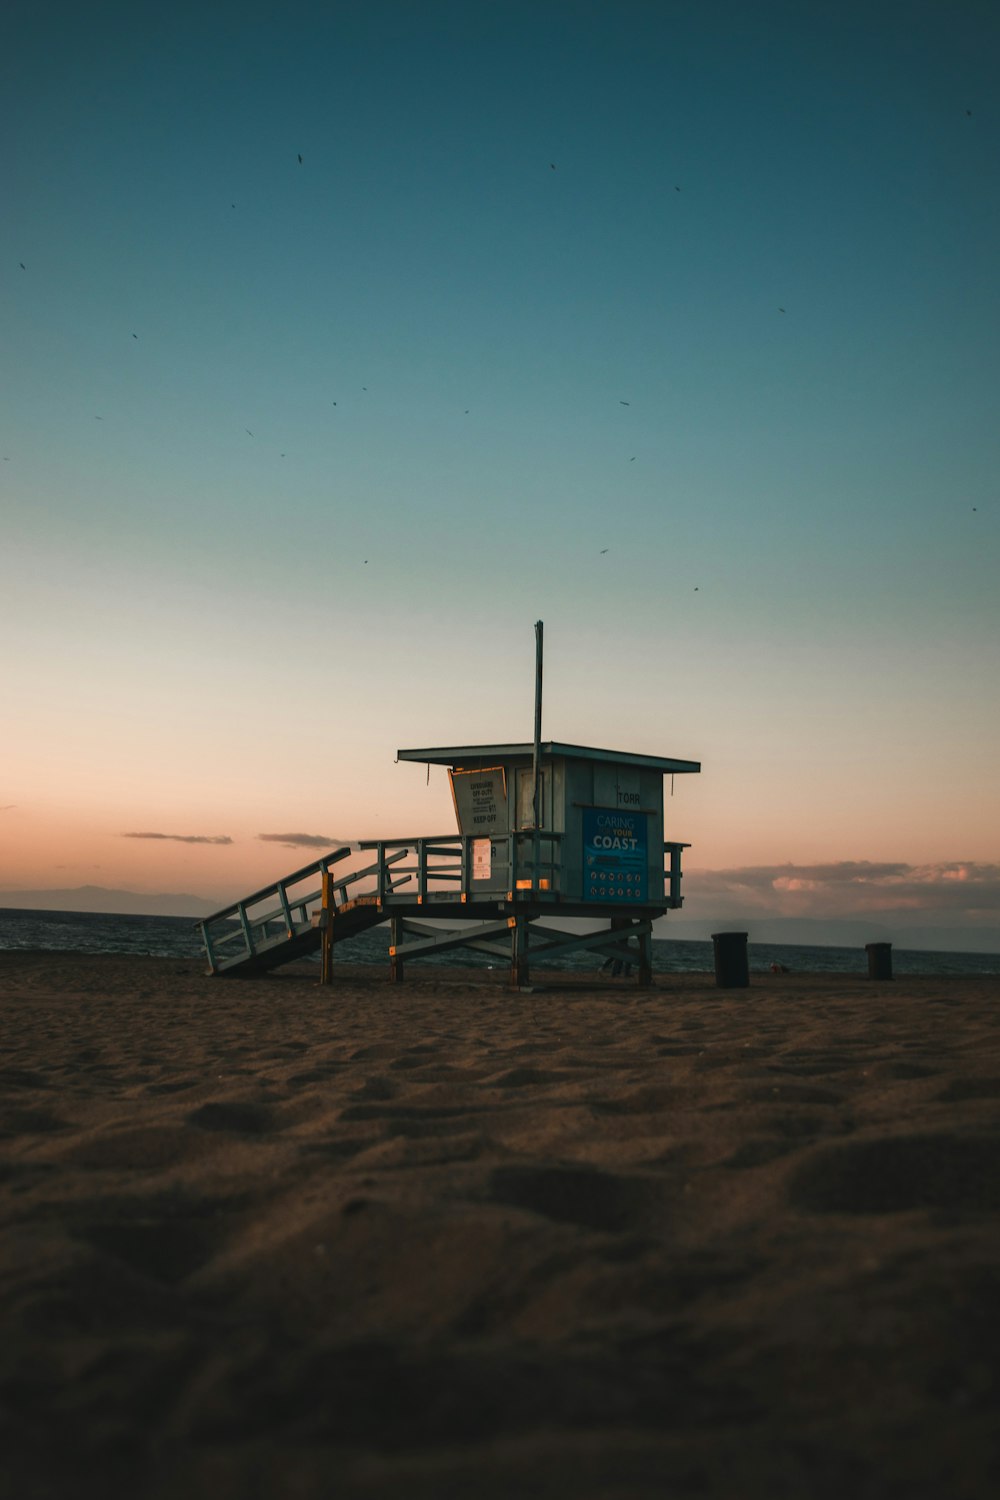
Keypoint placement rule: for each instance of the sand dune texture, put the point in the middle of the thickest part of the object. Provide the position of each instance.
(262, 1238)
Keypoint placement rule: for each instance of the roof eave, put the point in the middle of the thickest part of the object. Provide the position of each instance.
(459, 755)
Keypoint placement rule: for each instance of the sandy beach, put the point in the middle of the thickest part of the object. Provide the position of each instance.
(443, 1238)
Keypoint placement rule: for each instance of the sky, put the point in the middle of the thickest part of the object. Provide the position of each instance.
(342, 342)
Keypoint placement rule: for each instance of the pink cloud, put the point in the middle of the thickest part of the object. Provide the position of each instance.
(957, 888)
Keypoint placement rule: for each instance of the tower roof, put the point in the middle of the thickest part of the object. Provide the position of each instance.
(485, 755)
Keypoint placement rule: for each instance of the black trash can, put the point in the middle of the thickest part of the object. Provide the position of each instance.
(732, 971)
(879, 960)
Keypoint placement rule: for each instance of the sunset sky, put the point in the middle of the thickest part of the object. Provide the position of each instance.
(674, 325)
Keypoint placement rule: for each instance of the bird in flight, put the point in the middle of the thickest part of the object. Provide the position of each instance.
(605, 549)
(552, 165)
(22, 265)
(631, 460)
(781, 309)
(248, 432)
(135, 335)
(300, 158)
(624, 403)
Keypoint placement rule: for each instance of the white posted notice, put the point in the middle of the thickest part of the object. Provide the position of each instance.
(482, 859)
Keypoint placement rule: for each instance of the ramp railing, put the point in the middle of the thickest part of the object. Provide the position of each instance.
(273, 915)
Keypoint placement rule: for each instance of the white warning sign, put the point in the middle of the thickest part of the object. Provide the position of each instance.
(482, 859)
(480, 800)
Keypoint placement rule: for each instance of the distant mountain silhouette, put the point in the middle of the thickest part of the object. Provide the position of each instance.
(98, 898)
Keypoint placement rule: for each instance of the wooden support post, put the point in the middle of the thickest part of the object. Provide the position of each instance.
(395, 957)
(645, 941)
(519, 964)
(620, 924)
(329, 907)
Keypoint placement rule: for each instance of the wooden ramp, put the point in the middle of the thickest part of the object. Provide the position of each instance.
(280, 923)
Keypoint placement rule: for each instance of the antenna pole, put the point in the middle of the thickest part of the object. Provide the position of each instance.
(536, 786)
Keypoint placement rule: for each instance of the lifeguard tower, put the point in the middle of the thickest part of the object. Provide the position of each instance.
(545, 830)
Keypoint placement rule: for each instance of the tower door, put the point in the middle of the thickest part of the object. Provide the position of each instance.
(525, 796)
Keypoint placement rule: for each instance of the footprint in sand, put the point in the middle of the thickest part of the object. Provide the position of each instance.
(970, 1088)
(417, 1124)
(23, 1078)
(759, 1153)
(584, 1196)
(377, 1087)
(321, 1074)
(814, 1065)
(167, 1251)
(164, 1238)
(244, 1118)
(14, 1122)
(148, 1148)
(519, 1078)
(651, 1099)
(906, 1071)
(899, 1173)
(793, 1093)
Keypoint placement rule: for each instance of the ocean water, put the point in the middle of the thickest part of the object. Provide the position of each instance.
(177, 937)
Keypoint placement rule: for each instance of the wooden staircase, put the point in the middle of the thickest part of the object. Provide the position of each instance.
(281, 922)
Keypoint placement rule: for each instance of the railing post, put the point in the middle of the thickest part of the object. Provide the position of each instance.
(247, 933)
(421, 869)
(208, 946)
(283, 898)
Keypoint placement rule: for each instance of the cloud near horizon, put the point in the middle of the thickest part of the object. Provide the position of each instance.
(302, 840)
(855, 887)
(183, 838)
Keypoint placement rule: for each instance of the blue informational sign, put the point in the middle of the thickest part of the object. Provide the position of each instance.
(615, 855)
